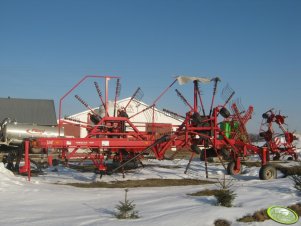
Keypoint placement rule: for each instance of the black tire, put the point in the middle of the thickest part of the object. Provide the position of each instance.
(195, 149)
(55, 162)
(267, 172)
(210, 153)
(231, 169)
(224, 112)
(226, 154)
(290, 159)
(276, 157)
(265, 115)
(202, 156)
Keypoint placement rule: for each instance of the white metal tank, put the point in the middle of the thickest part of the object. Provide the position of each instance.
(14, 133)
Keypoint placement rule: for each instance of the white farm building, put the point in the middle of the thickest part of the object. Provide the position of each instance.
(140, 115)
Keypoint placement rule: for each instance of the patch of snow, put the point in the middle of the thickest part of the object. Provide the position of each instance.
(42, 202)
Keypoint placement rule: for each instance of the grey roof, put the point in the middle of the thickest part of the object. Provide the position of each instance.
(41, 112)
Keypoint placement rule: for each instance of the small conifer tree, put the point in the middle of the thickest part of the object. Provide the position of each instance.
(225, 196)
(126, 209)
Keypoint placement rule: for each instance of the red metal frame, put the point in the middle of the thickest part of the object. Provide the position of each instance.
(267, 131)
(26, 167)
(109, 139)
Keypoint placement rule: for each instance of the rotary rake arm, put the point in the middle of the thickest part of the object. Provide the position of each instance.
(198, 90)
(185, 101)
(117, 94)
(275, 142)
(173, 114)
(215, 80)
(100, 96)
(227, 94)
(138, 94)
(86, 105)
(242, 120)
(145, 109)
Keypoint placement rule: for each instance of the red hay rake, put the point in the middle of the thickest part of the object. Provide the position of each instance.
(279, 144)
(115, 137)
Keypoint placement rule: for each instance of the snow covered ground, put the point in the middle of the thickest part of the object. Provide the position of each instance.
(46, 201)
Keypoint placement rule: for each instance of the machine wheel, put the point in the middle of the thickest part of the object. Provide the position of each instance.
(195, 149)
(55, 162)
(231, 169)
(226, 154)
(224, 112)
(209, 154)
(267, 172)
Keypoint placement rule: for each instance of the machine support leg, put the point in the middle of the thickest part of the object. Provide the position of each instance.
(220, 159)
(49, 159)
(26, 167)
(187, 167)
(237, 164)
(264, 158)
(206, 163)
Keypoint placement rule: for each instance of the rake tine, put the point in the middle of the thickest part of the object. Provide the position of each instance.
(238, 104)
(227, 94)
(85, 104)
(183, 99)
(216, 80)
(117, 94)
(173, 114)
(226, 91)
(201, 100)
(100, 95)
(138, 94)
(229, 98)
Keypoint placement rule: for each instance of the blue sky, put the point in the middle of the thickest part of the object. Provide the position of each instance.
(254, 46)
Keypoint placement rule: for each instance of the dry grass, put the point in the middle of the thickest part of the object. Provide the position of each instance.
(289, 171)
(206, 192)
(261, 215)
(221, 222)
(296, 208)
(258, 216)
(142, 183)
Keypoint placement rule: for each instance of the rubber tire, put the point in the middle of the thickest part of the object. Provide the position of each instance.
(226, 154)
(55, 162)
(209, 153)
(267, 172)
(195, 149)
(224, 112)
(231, 170)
